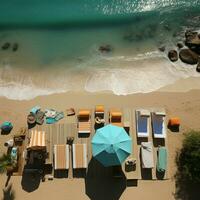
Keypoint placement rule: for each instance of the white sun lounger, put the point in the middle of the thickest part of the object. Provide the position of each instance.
(142, 123)
(158, 124)
(147, 155)
(61, 156)
(79, 156)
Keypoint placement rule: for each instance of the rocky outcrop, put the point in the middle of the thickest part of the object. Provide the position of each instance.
(105, 48)
(188, 56)
(173, 55)
(192, 40)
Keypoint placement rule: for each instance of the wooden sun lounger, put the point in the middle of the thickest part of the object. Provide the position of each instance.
(115, 117)
(61, 156)
(79, 152)
(84, 121)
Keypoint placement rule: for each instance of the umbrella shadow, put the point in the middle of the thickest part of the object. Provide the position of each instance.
(101, 184)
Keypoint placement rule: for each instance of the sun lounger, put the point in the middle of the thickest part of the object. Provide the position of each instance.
(37, 140)
(84, 121)
(142, 123)
(61, 156)
(115, 117)
(158, 124)
(147, 155)
(79, 152)
(162, 159)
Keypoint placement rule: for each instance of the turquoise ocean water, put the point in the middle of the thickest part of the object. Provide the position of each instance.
(59, 40)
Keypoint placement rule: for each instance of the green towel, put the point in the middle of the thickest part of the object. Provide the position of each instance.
(162, 159)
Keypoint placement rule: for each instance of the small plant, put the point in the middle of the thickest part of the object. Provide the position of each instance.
(5, 163)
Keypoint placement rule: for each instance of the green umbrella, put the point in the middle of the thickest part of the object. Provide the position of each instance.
(111, 145)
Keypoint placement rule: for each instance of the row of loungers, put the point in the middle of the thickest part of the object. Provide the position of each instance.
(61, 156)
(115, 118)
(158, 123)
(84, 118)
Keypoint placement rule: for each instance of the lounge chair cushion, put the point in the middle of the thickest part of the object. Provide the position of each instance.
(99, 108)
(84, 113)
(175, 121)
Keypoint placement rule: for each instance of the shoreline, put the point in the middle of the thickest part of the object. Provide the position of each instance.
(179, 86)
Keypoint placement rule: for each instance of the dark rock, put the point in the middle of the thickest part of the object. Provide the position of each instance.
(15, 47)
(173, 55)
(5, 46)
(198, 67)
(162, 48)
(180, 45)
(192, 41)
(188, 56)
(105, 48)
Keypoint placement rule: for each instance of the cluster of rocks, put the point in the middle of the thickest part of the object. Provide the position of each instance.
(8, 45)
(188, 53)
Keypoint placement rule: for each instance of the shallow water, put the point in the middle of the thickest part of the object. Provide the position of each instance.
(58, 51)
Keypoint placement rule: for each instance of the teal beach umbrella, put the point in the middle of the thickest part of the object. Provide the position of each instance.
(111, 145)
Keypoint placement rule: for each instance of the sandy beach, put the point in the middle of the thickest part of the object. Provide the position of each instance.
(180, 103)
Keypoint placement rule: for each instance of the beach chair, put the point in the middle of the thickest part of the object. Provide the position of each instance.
(37, 140)
(79, 152)
(147, 155)
(162, 160)
(158, 124)
(99, 115)
(115, 117)
(84, 121)
(142, 123)
(61, 157)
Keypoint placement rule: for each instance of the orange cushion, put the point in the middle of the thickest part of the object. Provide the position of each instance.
(99, 108)
(116, 114)
(174, 121)
(84, 113)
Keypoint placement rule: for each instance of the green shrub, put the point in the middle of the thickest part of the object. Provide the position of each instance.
(188, 161)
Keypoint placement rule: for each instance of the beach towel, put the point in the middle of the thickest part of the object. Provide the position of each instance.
(147, 155)
(35, 109)
(162, 159)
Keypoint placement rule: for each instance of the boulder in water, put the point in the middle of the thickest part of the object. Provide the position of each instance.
(5, 46)
(105, 48)
(161, 48)
(180, 45)
(15, 47)
(192, 40)
(173, 55)
(198, 66)
(188, 56)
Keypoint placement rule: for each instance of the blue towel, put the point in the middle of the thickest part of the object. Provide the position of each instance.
(142, 124)
(50, 120)
(35, 109)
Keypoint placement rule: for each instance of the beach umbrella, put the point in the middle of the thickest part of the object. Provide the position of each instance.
(111, 145)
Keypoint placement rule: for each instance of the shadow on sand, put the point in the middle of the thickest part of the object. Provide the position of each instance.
(101, 184)
(8, 193)
(30, 180)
